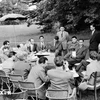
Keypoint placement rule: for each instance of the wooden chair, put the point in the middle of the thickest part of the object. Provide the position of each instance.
(31, 90)
(60, 94)
(94, 84)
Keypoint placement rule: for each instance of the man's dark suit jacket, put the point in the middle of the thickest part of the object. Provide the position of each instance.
(94, 41)
(80, 55)
(58, 48)
(35, 48)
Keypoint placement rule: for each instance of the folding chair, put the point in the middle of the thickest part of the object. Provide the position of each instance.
(94, 85)
(16, 77)
(60, 94)
(31, 90)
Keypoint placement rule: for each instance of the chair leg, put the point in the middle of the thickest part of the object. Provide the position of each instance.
(80, 95)
(95, 94)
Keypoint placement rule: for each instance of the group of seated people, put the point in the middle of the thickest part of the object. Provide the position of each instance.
(61, 75)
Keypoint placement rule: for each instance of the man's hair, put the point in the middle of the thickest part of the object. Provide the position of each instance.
(74, 37)
(41, 36)
(56, 38)
(30, 39)
(93, 55)
(81, 39)
(11, 53)
(42, 60)
(5, 42)
(58, 61)
(5, 48)
(94, 25)
(18, 46)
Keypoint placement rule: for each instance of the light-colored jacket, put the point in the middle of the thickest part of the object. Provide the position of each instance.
(38, 77)
(63, 38)
(60, 79)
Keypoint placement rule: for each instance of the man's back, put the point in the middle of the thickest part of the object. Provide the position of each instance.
(59, 78)
(21, 66)
(38, 77)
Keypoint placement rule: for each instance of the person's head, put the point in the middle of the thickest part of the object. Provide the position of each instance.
(62, 28)
(11, 54)
(74, 39)
(43, 61)
(81, 42)
(6, 50)
(92, 27)
(21, 57)
(93, 55)
(41, 38)
(56, 38)
(18, 46)
(58, 61)
(6, 43)
(31, 41)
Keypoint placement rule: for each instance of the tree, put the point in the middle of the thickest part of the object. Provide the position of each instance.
(73, 14)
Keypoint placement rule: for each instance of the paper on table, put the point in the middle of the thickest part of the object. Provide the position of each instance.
(75, 74)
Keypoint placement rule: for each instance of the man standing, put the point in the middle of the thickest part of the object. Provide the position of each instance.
(58, 47)
(95, 39)
(64, 38)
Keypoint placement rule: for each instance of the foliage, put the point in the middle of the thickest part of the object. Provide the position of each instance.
(73, 14)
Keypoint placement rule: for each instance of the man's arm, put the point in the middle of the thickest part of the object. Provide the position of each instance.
(43, 76)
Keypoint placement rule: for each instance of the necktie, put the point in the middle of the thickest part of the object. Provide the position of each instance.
(42, 45)
(62, 34)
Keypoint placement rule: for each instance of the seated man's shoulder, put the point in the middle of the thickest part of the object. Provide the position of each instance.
(49, 72)
(69, 42)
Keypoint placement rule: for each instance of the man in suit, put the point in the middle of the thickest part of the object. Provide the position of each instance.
(95, 39)
(33, 46)
(58, 47)
(63, 38)
(41, 44)
(79, 54)
(58, 77)
(38, 76)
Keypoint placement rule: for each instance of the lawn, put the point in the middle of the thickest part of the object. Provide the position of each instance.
(21, 33)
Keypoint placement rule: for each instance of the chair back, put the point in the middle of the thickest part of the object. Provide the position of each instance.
(56, 94)
(16, 77)
(60, 94)
(26, 85)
